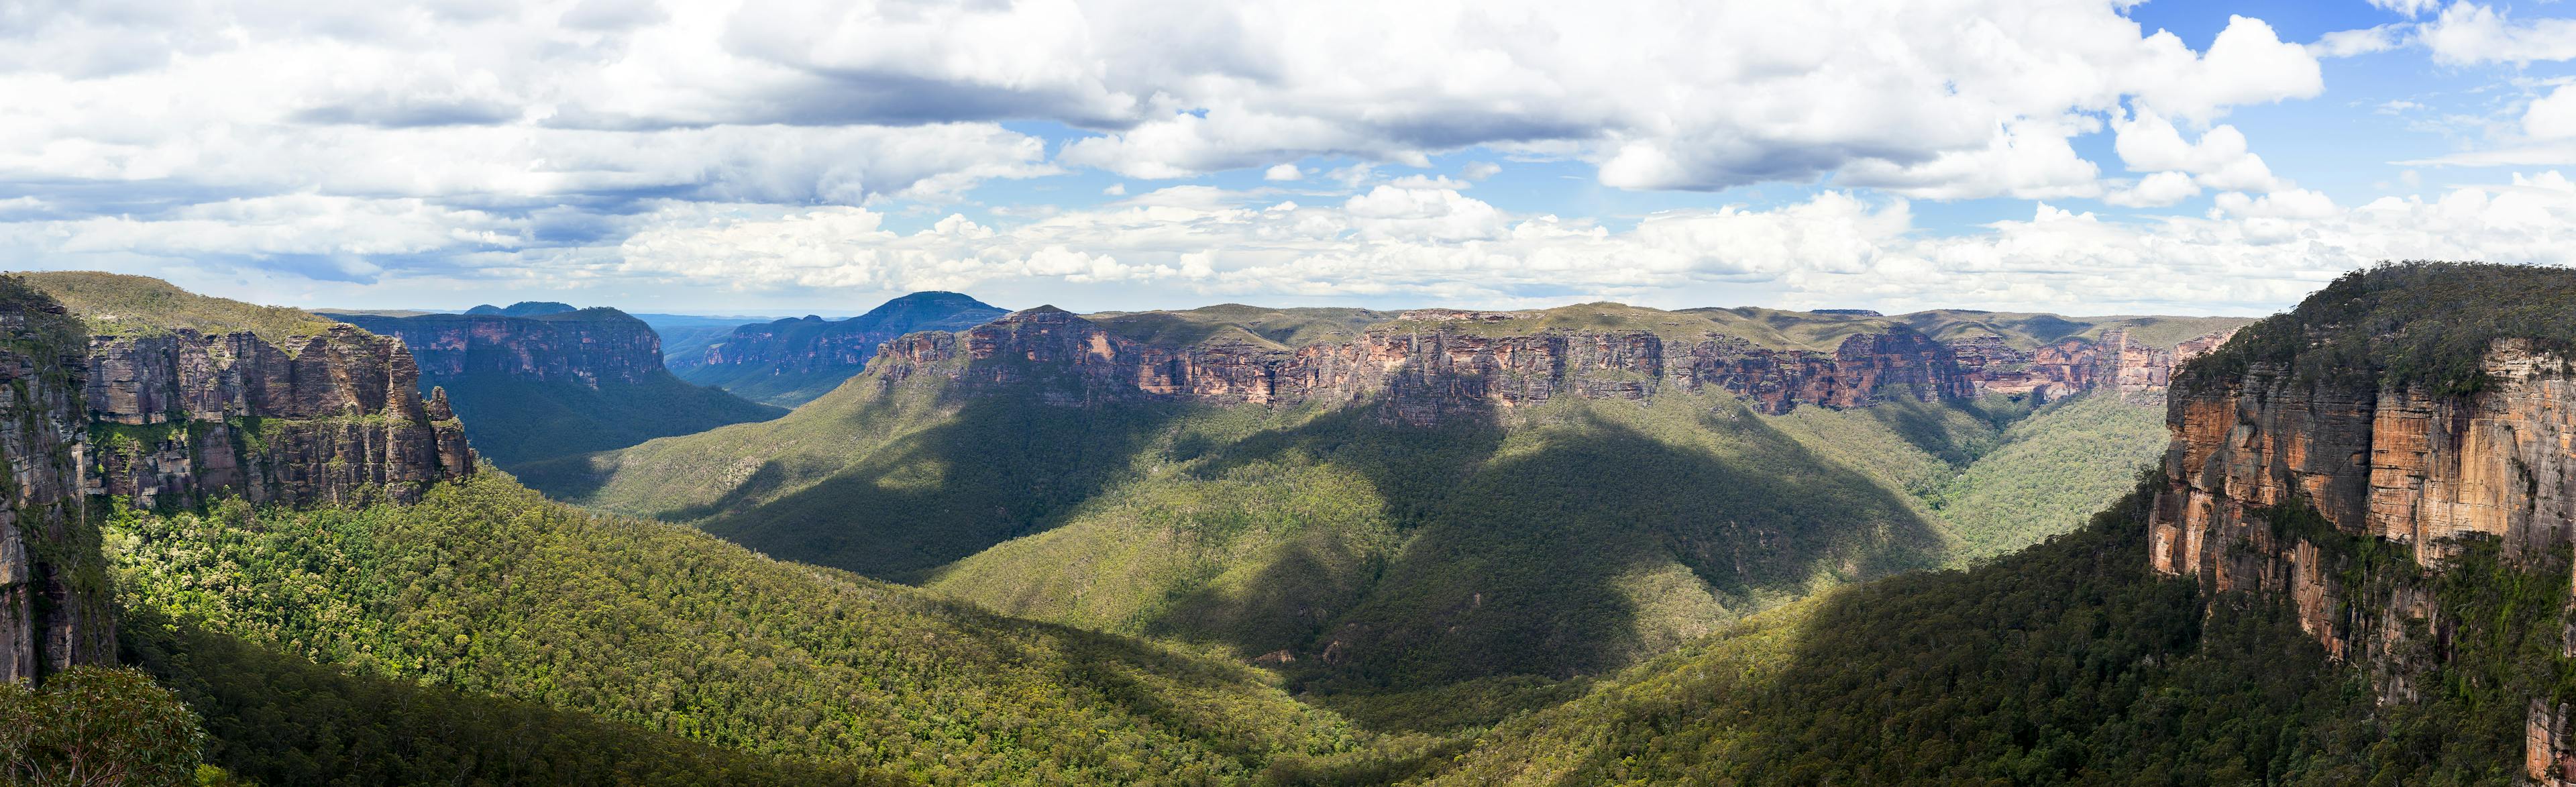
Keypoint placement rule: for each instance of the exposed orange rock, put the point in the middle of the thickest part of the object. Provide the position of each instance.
(2396, 464)
(1423, 376)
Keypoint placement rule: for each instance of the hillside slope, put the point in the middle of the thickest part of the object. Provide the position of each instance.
(484, 588)
(790, 362)
(532, 381)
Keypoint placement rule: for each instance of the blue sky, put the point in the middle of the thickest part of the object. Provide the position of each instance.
(790, 157)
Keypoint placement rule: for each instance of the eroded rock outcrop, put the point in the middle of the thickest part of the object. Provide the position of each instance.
(1432, 364)
(54, 608)
(184, 416)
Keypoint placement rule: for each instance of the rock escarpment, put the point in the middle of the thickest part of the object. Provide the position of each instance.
(2346, 460)
(54, 610)
(2396, 464)
(1435, 363)
(185, 416)
(590, 347)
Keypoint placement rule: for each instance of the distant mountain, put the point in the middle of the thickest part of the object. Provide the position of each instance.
(790, 362)
(521, 309)
(685, 336)
(558, 383)
(1436, 515)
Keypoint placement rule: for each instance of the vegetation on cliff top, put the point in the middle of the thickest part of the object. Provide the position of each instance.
(2406, 323)
(113, 304)
(487, 589)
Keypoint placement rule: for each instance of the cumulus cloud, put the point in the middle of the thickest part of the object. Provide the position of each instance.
(771, 144)
(2220, 159)
(2155, 191)
(2470, 34)
(2552, 116)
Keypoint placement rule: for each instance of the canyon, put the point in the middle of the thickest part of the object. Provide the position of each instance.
(541, 379)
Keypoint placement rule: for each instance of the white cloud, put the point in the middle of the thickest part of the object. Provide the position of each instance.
(1283, 172)
(1426, 245)
(2246, 64)
(2408, 7)
(2155, 191)
(1480, 170)
(2470, 34)
(2220, 159)
(1115, 190)
(2368, 40)
(2552, 116)
(2290, 204)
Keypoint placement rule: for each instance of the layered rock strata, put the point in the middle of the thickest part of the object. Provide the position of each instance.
(54, 610)
(1425, 372)
(2253, 455)
(185, 416)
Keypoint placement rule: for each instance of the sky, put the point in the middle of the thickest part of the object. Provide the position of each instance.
(783, 157)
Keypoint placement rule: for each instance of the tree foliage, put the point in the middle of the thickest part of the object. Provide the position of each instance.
(488, 590)
(96, 726)
(2420, 323)
(2068, 663)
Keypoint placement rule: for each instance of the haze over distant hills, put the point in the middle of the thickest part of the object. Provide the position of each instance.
(791, 361)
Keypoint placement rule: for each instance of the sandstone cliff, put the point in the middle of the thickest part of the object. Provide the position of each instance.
(129, 402)
(586, 346)
(182, 416)
(1431, 364)
(2295, 463)
(54, 609)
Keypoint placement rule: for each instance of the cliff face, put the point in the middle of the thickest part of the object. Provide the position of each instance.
(2075, 365)
(1422, 370)
(179, 417)
(588, 346)
(2390, 463)
(54, 610)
